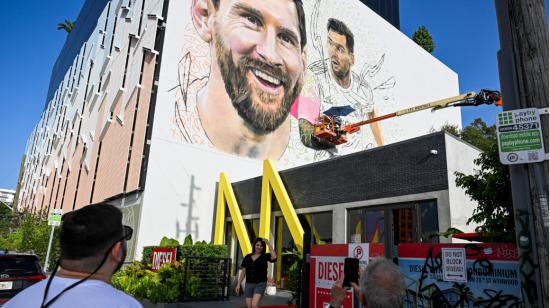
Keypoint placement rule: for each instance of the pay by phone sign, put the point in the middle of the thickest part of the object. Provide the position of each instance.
(520, 137)
(55, 217)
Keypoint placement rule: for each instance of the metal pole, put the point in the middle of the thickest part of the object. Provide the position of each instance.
(48, 253)
(304, 283)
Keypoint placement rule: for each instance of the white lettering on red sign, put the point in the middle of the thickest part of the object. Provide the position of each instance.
(160, 257)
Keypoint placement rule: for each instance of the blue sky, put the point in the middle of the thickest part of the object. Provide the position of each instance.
(466, 40)
(465, 33)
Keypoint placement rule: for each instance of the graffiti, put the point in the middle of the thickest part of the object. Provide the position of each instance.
(527, 265)
(498, 299)
(489, 284)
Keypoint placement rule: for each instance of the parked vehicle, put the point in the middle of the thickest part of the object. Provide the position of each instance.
(17, 272)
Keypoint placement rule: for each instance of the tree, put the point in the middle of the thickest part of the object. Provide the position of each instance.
(26, 231)
(490, 186)
(67, 26)
(423, 38)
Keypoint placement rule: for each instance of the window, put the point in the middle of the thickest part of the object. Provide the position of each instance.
(413, 222)
(366, 226)
(320, 226)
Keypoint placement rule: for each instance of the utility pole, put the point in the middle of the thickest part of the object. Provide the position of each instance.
(523, 69)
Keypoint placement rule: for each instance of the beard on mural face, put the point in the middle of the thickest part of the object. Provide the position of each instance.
(262, 111)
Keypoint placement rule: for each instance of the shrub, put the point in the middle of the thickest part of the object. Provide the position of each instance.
(165, 285)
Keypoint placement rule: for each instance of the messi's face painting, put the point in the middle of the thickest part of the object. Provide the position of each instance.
(260, 58)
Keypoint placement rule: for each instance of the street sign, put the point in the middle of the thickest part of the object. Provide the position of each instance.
(55, 217)
(520, 137)
(454, 264)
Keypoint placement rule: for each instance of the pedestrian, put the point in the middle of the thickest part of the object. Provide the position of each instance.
(93, 247)
(381, 285)
(254, 268)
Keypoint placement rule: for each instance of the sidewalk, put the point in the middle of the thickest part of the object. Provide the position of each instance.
(280, 299)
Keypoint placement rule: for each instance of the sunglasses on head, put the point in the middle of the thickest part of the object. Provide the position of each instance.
(127, 231)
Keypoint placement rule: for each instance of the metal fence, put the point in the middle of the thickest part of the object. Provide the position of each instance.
(206, 278)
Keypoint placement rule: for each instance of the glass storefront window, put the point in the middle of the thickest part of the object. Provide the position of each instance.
(365, 226)
(320, 226)
(429, 226)
(413, 222)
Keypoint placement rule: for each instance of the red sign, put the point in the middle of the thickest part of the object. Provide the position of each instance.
(162, 256)
(327, 266)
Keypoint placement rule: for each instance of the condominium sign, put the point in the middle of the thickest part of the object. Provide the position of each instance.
(520, 137)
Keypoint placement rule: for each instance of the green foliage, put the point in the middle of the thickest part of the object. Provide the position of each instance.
(477, 134)
(293, 273)
(158, 287)
(169, 242)
(67, 25)
(167, 283)
(480, 135)
(423, 38)
(489, 186)
(188, 241)
(451, 129)
(203, 249)
(147, 254)
(26, 231)
(450, 232)
(193, 285)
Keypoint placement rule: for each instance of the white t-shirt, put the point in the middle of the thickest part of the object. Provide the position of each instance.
(90, 293)
(359, 96)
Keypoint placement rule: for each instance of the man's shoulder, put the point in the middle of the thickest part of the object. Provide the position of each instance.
(88, 294)
(118, 297)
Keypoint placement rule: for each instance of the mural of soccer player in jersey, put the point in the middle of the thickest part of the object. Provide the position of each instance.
(341, 88)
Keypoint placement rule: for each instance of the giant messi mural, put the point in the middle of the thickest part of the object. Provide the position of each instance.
(241, 81)
(254, 76)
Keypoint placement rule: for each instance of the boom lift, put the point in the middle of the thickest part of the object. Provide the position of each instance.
(330, 129)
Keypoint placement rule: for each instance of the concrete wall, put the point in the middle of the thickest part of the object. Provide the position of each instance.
(460, 158)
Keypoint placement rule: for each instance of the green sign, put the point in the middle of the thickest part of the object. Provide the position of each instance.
(520, 137)
(55, 217)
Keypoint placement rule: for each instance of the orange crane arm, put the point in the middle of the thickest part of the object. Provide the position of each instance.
(468, 99)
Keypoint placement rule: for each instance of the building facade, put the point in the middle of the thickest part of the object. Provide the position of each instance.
(404, 192)
(7, 196)
(146, 115)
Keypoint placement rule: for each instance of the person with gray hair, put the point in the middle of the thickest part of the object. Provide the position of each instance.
(381, 285)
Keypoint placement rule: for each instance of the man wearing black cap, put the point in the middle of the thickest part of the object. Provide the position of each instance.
(93, 248)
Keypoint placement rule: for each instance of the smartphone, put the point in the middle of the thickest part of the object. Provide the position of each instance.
(351, 271)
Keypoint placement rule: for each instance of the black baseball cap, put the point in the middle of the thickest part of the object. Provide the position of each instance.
(90, 231)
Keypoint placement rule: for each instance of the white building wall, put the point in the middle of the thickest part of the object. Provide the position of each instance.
(460, 158)
(405, 76)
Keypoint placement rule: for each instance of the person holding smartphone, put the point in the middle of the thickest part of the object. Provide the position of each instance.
(254, 268)
(381, 285)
